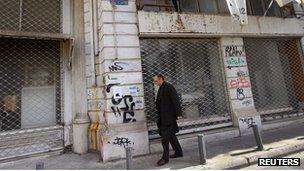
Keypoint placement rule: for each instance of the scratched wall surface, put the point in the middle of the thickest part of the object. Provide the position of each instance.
(164, 22)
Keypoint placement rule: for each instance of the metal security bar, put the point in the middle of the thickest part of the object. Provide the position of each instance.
(31, 15)
(195, 68)
(29, 83)
(276, 74)
(30, 96)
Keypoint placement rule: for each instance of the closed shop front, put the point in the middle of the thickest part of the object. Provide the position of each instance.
(31, 103)
(195, 68)
(30, 93)
(276, 73)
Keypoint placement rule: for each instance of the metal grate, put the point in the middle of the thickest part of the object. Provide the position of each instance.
(31, 15)
(276, 74)
(194, 67)
(29, 83)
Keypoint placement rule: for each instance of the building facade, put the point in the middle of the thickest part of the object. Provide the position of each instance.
(41, 53)
(79, 73)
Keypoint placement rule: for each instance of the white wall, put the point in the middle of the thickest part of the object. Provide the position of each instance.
(218, 25)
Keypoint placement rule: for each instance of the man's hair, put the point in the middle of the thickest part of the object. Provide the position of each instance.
(160, 76)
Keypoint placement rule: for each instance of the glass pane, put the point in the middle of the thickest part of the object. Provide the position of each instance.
(223, 7)
(249, 11)
(257, 7)
(208, 6)
(159, 5)
(189, 5)
(274, 10)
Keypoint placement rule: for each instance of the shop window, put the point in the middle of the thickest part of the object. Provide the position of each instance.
(254, 7)
(194, 67)
(30, 84)
(31, 15)
(259, 7)
(274, 10)
(189, 5)
(223, 8)
(208, 6)
(276, 74)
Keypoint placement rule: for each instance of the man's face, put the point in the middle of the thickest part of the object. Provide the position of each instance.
(157, 81)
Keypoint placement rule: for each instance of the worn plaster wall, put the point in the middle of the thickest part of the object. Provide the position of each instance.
(157, 23)
(115, 101)
(243, 111)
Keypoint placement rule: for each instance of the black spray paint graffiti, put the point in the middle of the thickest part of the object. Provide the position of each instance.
(121, 141)
(117, 66)
(247, 102)
(234, 51)
(241, 73)
(108, 89)
(248, 121)
(128, 110)
(240, 94)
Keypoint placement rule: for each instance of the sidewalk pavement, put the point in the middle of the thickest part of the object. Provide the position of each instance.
(224, 154)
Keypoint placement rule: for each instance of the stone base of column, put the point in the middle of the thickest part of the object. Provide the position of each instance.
(80, 135)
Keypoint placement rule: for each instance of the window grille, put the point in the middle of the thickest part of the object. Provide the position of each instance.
(195, 68)
(276, 74)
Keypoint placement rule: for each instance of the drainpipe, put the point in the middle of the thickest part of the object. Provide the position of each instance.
(114, 31)
(94, 121)
(94, 38)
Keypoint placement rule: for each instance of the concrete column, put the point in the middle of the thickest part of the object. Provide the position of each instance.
(116, 103)
(67, 75)
(80, 118)
(238, 83)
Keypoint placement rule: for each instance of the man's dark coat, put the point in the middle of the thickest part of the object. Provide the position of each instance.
(168, 106)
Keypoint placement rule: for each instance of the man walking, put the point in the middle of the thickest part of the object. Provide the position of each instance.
(168, 109)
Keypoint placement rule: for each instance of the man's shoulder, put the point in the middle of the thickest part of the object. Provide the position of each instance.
(169, 86)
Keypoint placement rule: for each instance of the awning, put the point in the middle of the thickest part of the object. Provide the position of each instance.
(35, 35)
(68, 40)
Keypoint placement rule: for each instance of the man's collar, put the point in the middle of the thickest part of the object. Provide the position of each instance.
(162, 84)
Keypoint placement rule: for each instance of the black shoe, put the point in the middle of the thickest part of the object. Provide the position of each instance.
(176, 155)
(162, 162)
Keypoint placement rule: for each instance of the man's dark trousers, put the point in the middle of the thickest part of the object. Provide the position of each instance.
(168, 109)
(168, 135)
